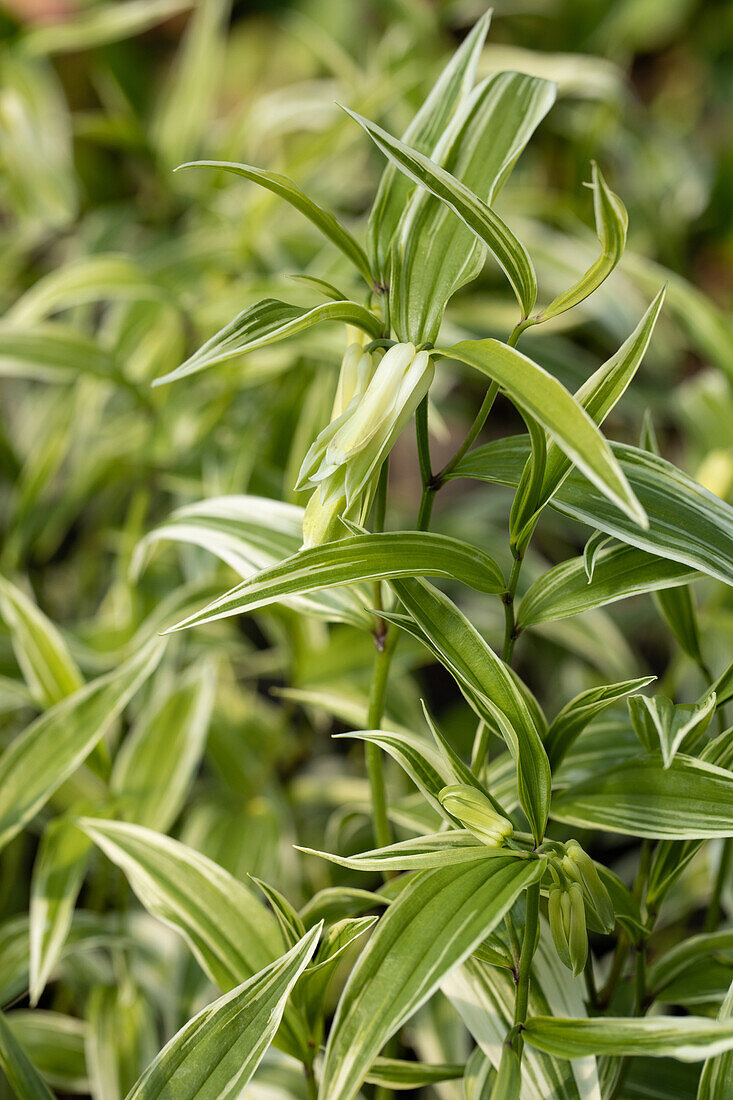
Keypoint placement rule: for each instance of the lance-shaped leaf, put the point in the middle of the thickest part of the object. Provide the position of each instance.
(601, 392)
(716, 1079)
(120, 1039)
(22, 1075)
(425, 767)
(687, 1038)
(677, 608)
(51, 353)
(597, 542)
(432, 256)
(214, 1055)
(54, 1043)
(489, 687)
(612, 222)
(47, 666)
(338, 939)
(356, 559)
(661, 724)
(250, 533)
(265, 323)
(96, 26)
(423, 134)
(167, 740)
(689, 800)
(619, 572)
(510, 253)
(286, 189)
(686, 522)
(47, 752)
(686, 955)
(484, 997)
(395, 1074)
(418, 853)
(58, 872)
(227, 928)
(549, 403)
(570, 722)
(96, 278)
(436, 922)
(336, 902)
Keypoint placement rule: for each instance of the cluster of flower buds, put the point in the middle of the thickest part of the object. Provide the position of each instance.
(576, 893)
(580, 868)
(566, 910)
(377, 394)
(473, 809)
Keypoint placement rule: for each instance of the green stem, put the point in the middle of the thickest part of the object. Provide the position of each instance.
(640, 979)
(423, 442)
(478, 423)
(426, 508)
(529, 942)
(310, 1081)
(713, 914)
(510, 632)
(380, 498)
(617, 966)
(590, 981)
(380, 674)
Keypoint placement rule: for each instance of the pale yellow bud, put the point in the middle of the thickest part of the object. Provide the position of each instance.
(473, 809)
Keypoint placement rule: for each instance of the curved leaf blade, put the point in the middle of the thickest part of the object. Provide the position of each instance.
(716, 1079)
(48, 668)
(619, 572)
(688, 800)
(286, 189)
(687, 1038)
(436, 922)
(612, 223)
(215, 1054)
(417, 854)
(169, 740)
(22, 1075)
(489, 687)
(265, 323)
(488, 227)
(686, 522)
(547, 400)
(47, 752)
(355, 560)
(423, 134)
(58, 872)
(432, 256)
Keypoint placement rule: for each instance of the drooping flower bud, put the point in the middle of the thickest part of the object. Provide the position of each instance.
(375, 399)
(566, 911)
(473, 809)
(580, 868)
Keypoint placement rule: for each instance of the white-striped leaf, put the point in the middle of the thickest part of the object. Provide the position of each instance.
(687, 1038)
(286, 189)
(436, 922)
(559, 413)
(228, 929)
(265, 323)
(689, 800)
(47, 752)
(216, 1053)
(619, 572)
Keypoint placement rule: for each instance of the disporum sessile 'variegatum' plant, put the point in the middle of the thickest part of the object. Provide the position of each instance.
(495, 899)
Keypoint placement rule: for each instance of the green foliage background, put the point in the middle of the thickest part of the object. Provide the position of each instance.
(115, 269)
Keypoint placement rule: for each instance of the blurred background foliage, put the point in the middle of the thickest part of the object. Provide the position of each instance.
(115, 268)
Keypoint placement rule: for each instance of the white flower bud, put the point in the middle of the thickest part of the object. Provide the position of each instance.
(375, 399)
